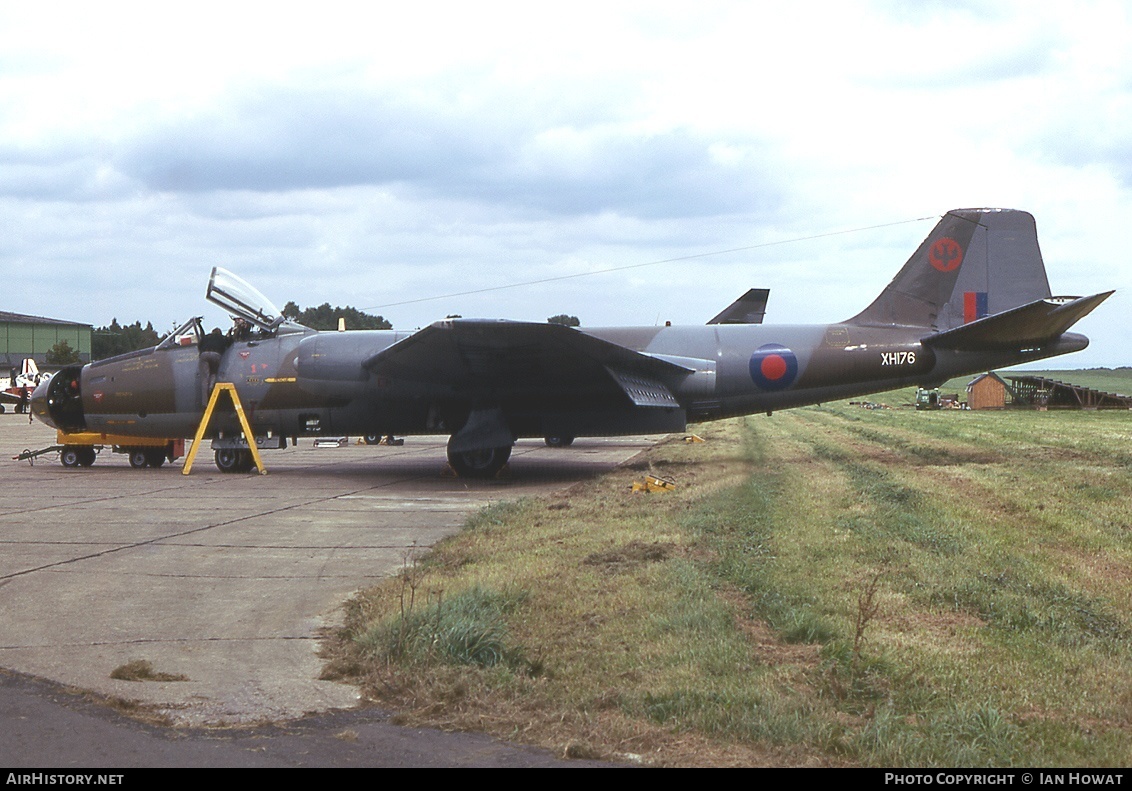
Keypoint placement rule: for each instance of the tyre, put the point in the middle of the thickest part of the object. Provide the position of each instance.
(86, 456)
(155, 457)
(484, 463)
(233, 460)
(70, 456)
(139, 458)
(373, 439)
(560, 441)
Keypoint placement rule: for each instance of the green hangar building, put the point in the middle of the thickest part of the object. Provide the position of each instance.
(34, 336)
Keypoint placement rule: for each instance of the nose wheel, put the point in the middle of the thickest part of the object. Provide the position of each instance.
(233, 460)
(146, 457)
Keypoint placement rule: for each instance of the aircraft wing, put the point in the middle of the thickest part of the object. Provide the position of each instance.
(487, 359)
(1033, 323)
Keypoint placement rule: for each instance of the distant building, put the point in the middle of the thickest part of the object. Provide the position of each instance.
(1039, 392)
(991, 391)
(33, 336)
(987, 391)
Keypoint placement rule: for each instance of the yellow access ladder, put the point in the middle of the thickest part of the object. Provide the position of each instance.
(230, 389)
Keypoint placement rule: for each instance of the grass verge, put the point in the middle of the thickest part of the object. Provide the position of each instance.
(830, 586)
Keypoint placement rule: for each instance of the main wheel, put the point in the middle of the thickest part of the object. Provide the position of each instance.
(139, 458)
(560, 441)
(233, 460)
(70, 456)
(484, 463)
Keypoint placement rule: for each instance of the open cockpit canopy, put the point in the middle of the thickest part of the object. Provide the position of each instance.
(240, 298)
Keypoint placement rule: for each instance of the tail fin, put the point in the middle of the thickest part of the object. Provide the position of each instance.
(974, 263)
(748, 309)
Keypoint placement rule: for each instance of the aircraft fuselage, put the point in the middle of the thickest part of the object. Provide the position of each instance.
(315, 383)
(974, 296)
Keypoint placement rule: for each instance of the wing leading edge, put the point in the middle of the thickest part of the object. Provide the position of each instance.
(484, 359)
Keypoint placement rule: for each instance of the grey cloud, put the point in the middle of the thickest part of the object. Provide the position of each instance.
(64, 172)
(288, 140)
(291, 141)
(1080, 150)
(664, 175)
(1092, 130)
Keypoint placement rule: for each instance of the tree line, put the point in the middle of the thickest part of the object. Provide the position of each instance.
(114, 338)
(325, 317)
(108, 341)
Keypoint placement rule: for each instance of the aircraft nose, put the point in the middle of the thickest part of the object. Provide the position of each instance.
(38, 403)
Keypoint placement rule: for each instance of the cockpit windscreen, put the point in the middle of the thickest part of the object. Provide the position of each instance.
(242, 299)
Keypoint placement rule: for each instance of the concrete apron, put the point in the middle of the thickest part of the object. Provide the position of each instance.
(228, 579)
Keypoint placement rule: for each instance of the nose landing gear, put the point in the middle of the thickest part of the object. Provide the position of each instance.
(233, 460)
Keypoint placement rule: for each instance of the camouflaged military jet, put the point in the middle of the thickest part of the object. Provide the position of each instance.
(974, 296)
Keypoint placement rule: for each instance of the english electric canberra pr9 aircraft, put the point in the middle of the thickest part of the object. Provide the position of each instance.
(974, 296)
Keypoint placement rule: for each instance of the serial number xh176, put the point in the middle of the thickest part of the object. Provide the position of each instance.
(974, 296)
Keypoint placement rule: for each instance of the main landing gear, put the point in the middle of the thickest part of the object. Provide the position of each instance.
(484, 463)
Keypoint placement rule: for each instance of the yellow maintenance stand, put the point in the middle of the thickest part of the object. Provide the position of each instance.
(230, 389)
(79, 449)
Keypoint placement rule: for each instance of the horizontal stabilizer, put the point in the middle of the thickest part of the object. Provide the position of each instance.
(1032, 324)
(748, 309)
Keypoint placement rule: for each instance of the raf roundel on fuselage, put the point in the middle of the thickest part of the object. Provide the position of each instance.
(773, 367)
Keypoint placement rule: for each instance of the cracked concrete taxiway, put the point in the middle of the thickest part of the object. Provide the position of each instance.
(226, 579)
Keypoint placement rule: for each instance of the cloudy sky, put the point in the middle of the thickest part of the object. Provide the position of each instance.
(393, 157)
